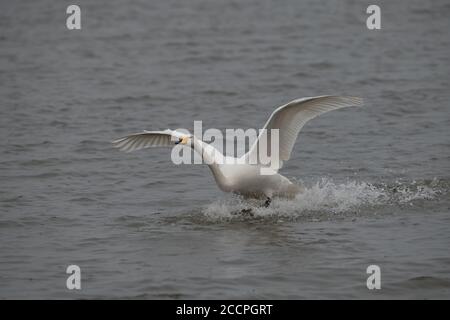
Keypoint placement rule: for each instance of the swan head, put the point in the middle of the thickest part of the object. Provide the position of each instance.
(186, 140)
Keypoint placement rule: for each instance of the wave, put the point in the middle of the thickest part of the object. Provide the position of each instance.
(325, 198)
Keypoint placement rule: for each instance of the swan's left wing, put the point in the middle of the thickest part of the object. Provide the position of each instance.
(290, 118)
(147, 139)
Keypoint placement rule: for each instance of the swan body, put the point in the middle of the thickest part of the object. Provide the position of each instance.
(241, 175)
(247, 181)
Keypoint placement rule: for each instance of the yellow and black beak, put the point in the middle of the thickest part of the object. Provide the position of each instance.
(183, 140)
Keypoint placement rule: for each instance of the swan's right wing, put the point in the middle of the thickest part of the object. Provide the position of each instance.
(147, 139)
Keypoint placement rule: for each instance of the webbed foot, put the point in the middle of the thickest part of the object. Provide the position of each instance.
(247, 212)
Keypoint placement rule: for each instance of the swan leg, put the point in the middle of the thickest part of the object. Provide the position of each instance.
(268, 202)
(247, 212)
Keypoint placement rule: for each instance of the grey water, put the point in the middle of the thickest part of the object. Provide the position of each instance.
(140, 227)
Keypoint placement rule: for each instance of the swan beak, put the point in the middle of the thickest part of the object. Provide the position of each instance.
(183, 140)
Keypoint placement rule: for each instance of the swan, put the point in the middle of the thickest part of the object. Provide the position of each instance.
(242, 176)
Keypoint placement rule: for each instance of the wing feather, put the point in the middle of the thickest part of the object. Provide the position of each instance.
(147, 139)
(290, 118)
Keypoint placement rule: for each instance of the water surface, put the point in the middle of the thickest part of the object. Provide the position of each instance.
(377, 178)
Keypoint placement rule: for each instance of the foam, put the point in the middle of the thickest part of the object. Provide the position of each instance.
(326, 197)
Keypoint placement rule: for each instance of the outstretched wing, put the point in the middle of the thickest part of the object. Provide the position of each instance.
(147, 139)
(290, 118)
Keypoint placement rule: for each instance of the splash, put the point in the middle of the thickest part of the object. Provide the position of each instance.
(324, 198)
(404, 193)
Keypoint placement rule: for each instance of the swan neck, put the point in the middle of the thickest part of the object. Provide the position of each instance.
(211, 156)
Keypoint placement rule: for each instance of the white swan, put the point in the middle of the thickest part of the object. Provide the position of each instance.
(246, 179)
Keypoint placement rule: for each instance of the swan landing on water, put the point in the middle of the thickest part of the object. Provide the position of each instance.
(243, 176)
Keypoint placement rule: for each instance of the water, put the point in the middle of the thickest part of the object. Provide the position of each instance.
(377, 178)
